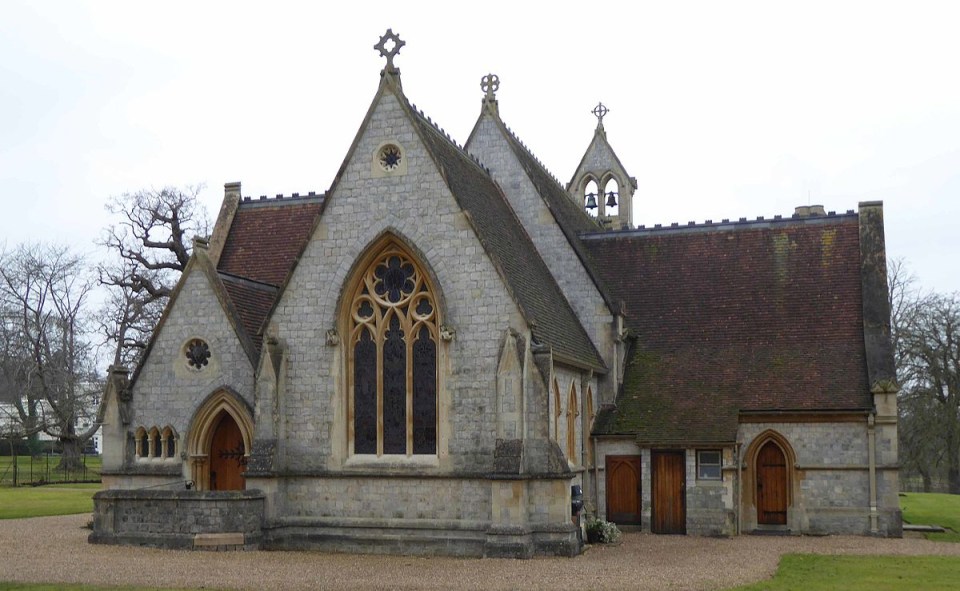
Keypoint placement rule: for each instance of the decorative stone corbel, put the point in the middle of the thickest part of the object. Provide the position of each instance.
(447, 332)
(333, 339)
(124, 397)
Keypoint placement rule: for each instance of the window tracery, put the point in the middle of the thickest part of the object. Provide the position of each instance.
(393, 353)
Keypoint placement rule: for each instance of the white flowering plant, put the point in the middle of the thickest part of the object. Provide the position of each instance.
(600, 531)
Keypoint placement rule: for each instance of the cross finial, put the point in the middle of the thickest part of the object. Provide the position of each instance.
(394, 42)
(600, 111)
(489, 84)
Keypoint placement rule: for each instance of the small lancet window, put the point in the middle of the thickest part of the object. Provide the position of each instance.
(393, 341)
(155, 447)
(142, 443)
(590, 195)
(557, 410)
(573, 412)
(169, 442)
(611, 197)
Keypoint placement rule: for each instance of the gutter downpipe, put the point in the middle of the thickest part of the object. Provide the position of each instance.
(872, 455)
(739, 473)
(596, 479)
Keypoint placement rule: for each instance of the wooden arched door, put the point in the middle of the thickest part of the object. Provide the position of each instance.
(228, 459)
(623, 489)
(771, 485)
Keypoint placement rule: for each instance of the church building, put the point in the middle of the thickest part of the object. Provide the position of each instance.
(430, 356)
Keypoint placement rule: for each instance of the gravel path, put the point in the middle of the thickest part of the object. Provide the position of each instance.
(55, 549)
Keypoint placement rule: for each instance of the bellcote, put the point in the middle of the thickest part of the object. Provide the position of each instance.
(601, 185)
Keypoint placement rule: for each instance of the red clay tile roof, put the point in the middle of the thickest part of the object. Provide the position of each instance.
(261, 249)
(267, 236)
(740, 317)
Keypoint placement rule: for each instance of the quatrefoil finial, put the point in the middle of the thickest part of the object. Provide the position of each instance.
(599, 112)
(490, 84)
(388, 47)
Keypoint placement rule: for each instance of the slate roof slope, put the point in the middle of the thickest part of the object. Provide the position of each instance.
(511, 248)
(571, 219)
(265, 240)
(735, 317)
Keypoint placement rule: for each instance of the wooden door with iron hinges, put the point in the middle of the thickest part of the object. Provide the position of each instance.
(228, 460)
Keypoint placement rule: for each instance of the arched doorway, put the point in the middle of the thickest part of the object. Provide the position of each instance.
(771, 482)
(219, 441)
(228, 455)
(623, 489)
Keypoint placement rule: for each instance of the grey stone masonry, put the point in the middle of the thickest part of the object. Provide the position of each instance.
(183, 519)
(418, 208)
(168, 390)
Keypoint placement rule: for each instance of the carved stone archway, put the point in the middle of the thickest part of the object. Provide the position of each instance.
(204, 426)
(766, 445)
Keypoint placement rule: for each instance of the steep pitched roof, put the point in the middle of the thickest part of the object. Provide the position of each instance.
(267, 236)
(200, 263)
(599, 143)
(570, 218)
(729, 318)
(265, 240)
(506, 241)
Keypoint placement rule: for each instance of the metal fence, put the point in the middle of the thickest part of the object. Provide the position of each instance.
(44, 469)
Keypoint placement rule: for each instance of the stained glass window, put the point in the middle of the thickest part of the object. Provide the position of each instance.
(393, 341)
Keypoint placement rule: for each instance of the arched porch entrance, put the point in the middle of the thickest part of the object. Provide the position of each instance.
(770, 483)
(220, 442)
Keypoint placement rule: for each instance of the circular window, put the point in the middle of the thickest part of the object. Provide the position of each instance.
(389, 157)
(198, 353)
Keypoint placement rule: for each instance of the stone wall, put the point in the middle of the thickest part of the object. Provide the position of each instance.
(182, 519)
(830, 483)
(418, 207)
(168, 391)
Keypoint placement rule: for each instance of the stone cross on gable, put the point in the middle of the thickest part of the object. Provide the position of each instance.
(388, 47)
(600, 111)
(490, 84)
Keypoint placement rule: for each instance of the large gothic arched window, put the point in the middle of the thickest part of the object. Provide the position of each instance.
(392, 358)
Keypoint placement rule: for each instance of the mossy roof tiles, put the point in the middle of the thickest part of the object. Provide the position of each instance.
(752, 317)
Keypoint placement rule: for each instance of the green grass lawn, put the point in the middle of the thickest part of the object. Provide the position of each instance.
(44, 468)
(52, 499)
(933, 509)
(812, 572)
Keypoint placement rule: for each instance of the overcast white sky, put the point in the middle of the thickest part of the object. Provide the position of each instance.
(719, 109)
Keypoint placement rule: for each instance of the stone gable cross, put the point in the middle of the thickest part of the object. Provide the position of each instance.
(388, 47)
(600, 111)
(489, 84)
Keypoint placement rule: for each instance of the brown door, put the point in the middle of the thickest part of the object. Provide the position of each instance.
(669, 515)
(623, 489)
(227, 458)
(771, 485)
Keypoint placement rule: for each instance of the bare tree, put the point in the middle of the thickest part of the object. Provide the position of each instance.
(150, 246)
(925, 329)
(47, 356)
(932, 368)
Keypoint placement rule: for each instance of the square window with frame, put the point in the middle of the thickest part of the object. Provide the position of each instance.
(709, 463)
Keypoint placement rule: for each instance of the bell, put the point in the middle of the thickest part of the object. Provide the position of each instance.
(591, 201)
(611, 199)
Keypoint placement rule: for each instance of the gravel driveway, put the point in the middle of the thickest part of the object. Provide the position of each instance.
(55, 549)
